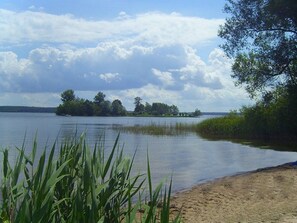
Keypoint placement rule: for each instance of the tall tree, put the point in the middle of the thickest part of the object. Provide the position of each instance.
(261, 35)
(174, 110)
(99, 98)
(139, 107)
(117, 109)
(68, 95)
(105, 108)
(148, 108)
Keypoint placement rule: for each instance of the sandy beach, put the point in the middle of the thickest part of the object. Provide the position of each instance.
(265, 195)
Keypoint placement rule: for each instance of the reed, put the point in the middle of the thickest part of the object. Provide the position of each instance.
(159, 130)
(230, 126)
(79, 184)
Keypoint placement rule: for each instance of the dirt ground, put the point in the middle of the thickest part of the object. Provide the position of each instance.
(266, 195)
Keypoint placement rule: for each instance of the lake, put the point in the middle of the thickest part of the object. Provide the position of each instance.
(189, 158)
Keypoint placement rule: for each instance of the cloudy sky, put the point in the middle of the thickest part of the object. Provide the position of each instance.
(162, 51)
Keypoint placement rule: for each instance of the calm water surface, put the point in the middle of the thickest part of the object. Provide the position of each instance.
(189, 158)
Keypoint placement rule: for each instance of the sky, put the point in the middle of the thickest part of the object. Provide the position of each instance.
(161, 51)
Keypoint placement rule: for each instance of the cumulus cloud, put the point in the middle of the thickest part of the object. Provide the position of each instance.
(153, 55)
(52, 69)
(165, 77)
(109, 77)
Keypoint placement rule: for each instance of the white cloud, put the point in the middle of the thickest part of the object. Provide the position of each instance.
(183, 79)
(109, 77)
(33, 8)
(149, 93)
(11, 64)
(165, 77)
(153, 28)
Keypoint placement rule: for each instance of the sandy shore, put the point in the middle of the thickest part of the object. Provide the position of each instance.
(266, 195)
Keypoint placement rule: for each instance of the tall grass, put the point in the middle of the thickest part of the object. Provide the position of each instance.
(158, 129)
(230, 126)
(78, 184)
(258, 124)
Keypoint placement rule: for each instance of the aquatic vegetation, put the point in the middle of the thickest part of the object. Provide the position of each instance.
(79, 184)
(159, 130)
(272, 123)
(230, 126)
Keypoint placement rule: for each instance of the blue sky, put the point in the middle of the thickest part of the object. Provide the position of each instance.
(162, 51)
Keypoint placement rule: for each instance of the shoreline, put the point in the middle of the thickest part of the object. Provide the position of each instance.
(262, 195)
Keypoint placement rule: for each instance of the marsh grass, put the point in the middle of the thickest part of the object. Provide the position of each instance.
(258, 130)
(159, 130)
(79, 184)
(230, 126)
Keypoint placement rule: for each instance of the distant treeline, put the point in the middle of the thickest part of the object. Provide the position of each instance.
(27, 109)
(72, 105)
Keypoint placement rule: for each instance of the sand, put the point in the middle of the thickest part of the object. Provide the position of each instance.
(266, 195)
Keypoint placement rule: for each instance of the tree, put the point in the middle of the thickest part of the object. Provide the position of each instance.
(117, 109)
(261, 35)
(99, 98)
(174, 110)
(105, 108)
(88, 108)
(148, 108)
(197, 113)
(68, 95)
(139, 108)
(160, 109)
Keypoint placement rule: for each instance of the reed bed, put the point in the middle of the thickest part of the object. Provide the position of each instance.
(79, 184)
(159, 130)
(230, 126)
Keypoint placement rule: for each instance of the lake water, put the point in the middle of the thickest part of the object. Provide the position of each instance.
(189, 158)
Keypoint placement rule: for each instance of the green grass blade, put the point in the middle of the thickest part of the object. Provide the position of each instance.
(107, 165)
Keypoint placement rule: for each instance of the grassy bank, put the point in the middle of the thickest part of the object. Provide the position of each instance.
(79, 184)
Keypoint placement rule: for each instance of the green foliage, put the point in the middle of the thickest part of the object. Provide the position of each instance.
(117, 109)
(272, 120)
(99, 98)
(68, 95)
(139, 107)
(82, 107)
(197, 113)
(261, 35)
(159, 130)
(230, 126)
(77, 185)
(100, 107)
(156, 109)
(161, 109)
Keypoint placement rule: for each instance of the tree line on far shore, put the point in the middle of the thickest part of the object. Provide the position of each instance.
(72, 105)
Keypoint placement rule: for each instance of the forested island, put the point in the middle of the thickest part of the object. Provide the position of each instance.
(74, 106)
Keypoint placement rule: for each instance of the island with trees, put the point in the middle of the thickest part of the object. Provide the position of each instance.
(74, 106)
